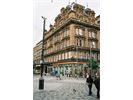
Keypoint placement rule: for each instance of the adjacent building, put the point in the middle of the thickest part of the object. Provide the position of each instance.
(37, 51)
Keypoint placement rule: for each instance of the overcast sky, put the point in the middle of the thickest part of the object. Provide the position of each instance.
(50, 10)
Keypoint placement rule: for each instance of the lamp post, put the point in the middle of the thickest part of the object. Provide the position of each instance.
(90, 57)
(76, 41)
(41, 80)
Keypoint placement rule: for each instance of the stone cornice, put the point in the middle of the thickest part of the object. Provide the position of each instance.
(80, 36)
(70, 48)
(66, 37)
(73, 21)
(91, 38)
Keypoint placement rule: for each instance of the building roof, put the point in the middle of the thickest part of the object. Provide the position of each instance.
(98, 16)
(39, 42)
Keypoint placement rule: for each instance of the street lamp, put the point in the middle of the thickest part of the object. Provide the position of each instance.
(90, 57)
(76, 41)
(41, 80)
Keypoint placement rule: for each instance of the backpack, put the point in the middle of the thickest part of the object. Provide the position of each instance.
(89, 83)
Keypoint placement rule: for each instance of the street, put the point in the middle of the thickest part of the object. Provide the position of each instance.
(62, 89)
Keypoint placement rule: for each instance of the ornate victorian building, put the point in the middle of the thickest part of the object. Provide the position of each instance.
(69, 40)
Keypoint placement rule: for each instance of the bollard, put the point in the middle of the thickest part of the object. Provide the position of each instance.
(41, 83)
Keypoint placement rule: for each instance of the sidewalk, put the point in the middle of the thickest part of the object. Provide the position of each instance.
(62, 89)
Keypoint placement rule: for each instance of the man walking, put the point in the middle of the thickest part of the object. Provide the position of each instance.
(97, 83)
(89, 81)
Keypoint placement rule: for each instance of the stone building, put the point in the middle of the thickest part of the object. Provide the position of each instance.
(34, 56)
(67, 43)
(37, 51)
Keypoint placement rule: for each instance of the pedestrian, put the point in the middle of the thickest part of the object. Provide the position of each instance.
(67, 73)
(97, 84)
(89, 82)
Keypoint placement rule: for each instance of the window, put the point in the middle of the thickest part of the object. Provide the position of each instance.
(67, 32)
(62, 55)
(75, 54)
(64, 43)
(79, 18)
(94, 55)
(98, 56)
(94, 45)
(54, 58)
(60, 22)
(89, 33)
(61, 45)
(48, 43)
(69, 54)
(91, 22)
(93, 34)
(91, 44)
(80, 54)
(56, 47)
(89, 55)
(66, 55)
(59, 56)
(77, 42)
(61, 36)
(85, 56)
(56, 38)
(64, 33)
(67, 42)
(80, 31)
(76, 30)
(51, 59)
(80, 42)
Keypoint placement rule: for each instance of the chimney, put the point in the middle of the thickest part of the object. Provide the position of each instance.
(51, 26)
(62, 9)
(45, 31)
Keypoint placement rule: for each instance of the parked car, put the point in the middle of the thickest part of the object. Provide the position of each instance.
(37, 72)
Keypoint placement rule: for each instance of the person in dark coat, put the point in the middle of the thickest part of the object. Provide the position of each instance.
(89, 81)
(97, 84)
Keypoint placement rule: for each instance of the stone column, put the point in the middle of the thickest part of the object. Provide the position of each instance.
(64, 70)
(93, 72)
(44, 68)
(58, 69)
(73, 70)
(78, 69)
(97, 70)
(88, 70)
(47, 69)
(83, 71)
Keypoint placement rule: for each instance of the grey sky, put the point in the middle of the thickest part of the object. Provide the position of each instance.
(51, 10)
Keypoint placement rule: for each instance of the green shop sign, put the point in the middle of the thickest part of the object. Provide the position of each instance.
(75, 65)
(54, 66)
(60, 66)
(80, 65)
(68, 65)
